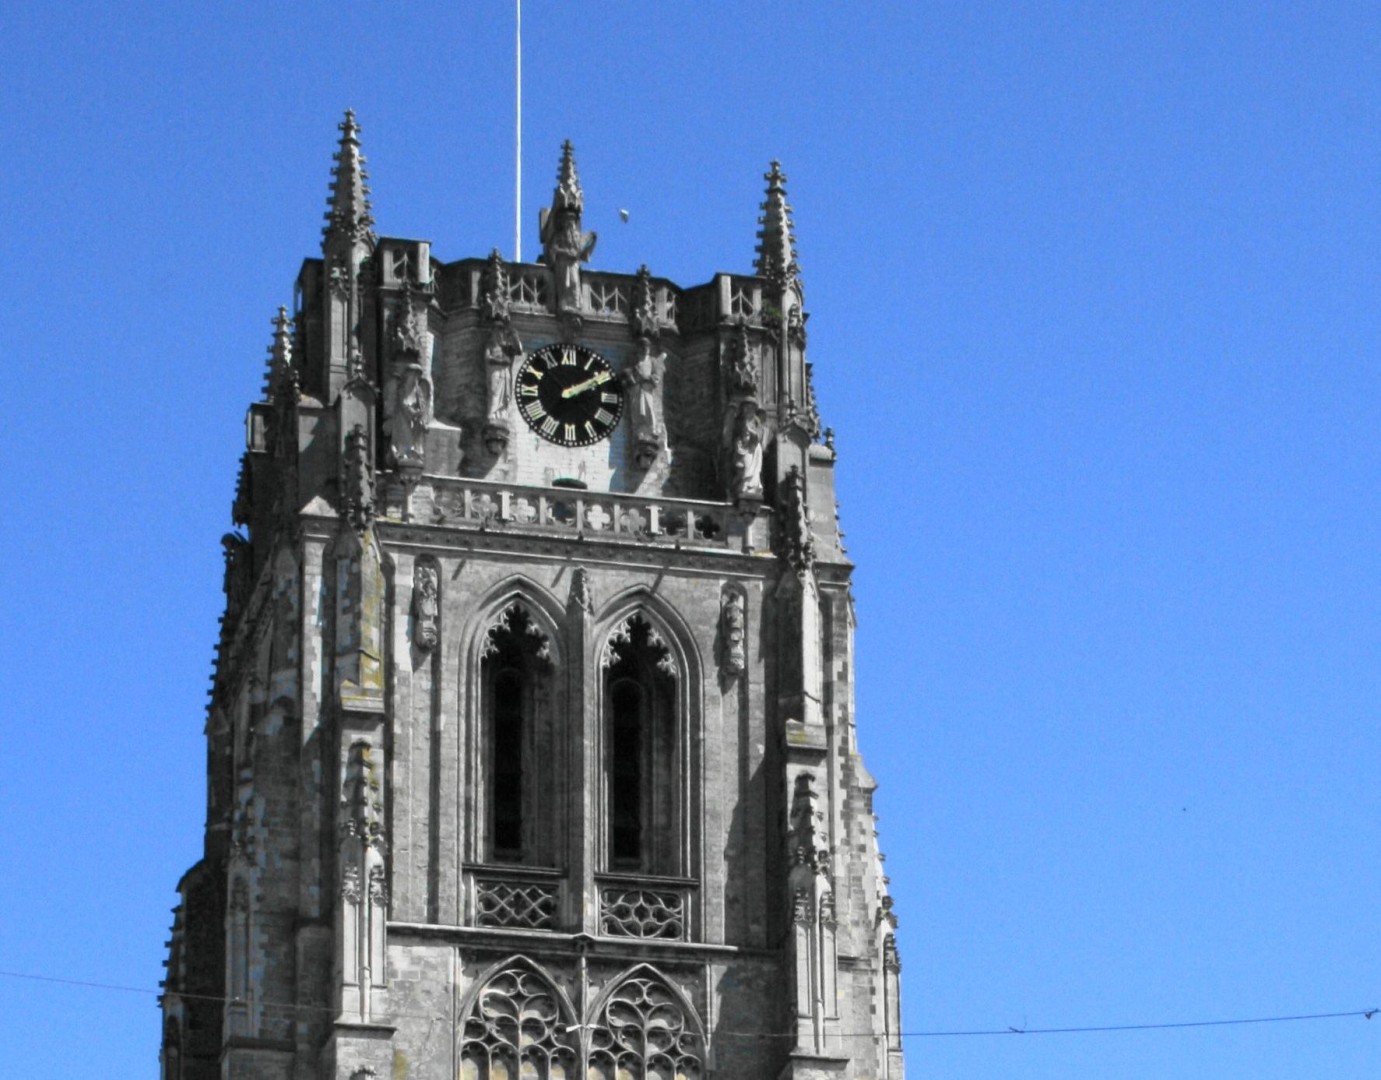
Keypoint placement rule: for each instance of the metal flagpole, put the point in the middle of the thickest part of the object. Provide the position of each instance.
(518, 143)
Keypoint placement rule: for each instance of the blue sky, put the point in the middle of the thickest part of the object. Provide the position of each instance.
(1096, 307)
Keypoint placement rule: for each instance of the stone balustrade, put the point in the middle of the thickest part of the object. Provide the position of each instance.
(591, 515)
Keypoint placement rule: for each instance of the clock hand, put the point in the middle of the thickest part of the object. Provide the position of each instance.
(589, 384)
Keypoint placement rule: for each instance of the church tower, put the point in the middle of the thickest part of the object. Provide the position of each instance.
(531, 746)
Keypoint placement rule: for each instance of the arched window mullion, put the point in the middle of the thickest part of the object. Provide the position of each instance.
(515, 656)
(643, 760)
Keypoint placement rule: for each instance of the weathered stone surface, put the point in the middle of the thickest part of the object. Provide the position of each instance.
(508, 729)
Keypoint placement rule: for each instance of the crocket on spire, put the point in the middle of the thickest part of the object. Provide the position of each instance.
(349, 217)
(776, 259)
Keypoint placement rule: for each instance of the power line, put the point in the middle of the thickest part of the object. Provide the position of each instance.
(718, 1032)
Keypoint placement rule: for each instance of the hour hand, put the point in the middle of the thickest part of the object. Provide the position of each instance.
(589, 384)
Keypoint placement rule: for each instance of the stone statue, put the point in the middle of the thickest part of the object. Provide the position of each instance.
(743, 363)
(644, 381)
(499, 353)
(746, 450)
(410, 410)
(425, 582)
(408, 403)
(564, 244)
(569, 247)
(732, 629)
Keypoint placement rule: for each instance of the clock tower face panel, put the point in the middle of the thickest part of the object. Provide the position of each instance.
(569, 395)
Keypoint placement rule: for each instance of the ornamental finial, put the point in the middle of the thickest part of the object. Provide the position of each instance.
(776, 259)
(349, 219)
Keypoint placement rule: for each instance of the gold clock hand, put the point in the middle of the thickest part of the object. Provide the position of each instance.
(589, 384)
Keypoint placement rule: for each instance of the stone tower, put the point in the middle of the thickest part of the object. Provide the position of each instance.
(531, 746)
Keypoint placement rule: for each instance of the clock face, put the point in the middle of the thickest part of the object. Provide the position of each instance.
(569, 394)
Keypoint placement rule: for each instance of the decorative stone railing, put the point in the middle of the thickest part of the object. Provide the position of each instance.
(529, 289)
(725, 299)
(516, 898)
(605, 297)
(638, 907)
(484, 504)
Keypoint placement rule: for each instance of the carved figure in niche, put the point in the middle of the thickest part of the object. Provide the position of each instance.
(644, 381)
(745, 481)
(807, 823)
(581, 597)
(743, 364)
(425, 582)
(499, 353)
(408, 408)
(732, 628)
(409, 412)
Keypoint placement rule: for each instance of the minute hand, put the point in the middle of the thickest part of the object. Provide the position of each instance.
(589, 384)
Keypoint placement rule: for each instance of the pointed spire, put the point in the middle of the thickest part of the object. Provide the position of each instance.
(280, 374)
(567, 195)
(280, 378)
(776, 239)
(349, 217)
(498, 303)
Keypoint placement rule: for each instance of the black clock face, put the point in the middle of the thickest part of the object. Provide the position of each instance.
(568, 394)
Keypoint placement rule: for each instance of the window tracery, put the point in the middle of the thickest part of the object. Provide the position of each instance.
(644, 1033)
(516, 1029)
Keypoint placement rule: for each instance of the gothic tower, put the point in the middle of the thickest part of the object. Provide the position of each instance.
(531, 746)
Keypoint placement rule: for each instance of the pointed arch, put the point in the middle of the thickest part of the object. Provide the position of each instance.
(548, 615)
(674, 631)
(648, 671)
(513, 645)
(516, 1021)
(644, 1027)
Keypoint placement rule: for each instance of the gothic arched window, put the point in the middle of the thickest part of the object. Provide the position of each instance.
(519, 748)
(644, 1032)
(516, 1028)
(644, 769)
